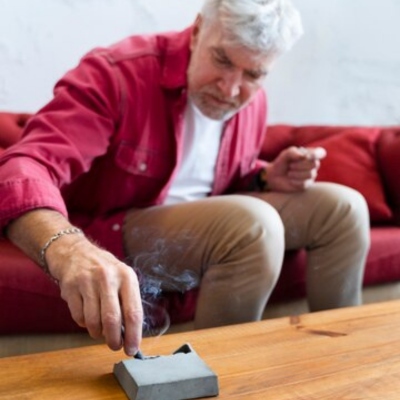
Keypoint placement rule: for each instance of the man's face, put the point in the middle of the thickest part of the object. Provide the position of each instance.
(222, 79)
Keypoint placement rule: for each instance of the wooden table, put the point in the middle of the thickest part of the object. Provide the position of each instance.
(351, 353)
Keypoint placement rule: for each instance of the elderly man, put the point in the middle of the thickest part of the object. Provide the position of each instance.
(149, 147)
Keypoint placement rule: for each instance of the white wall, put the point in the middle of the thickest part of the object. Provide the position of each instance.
(346, 69)
(42, 39)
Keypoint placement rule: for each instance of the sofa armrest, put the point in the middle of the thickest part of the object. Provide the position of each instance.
(388, 148)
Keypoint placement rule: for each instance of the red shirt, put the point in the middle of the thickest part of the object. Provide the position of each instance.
(110, 139)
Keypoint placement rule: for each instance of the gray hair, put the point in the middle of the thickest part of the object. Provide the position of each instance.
(268, 26)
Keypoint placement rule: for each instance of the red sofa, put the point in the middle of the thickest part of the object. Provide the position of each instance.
(365, 158)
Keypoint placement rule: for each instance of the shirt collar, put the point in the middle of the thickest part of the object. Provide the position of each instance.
(176, 58)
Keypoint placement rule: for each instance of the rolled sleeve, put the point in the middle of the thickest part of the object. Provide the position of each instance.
(25, 190)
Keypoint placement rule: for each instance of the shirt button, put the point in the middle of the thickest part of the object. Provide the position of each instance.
(142, 167)
(116, 227)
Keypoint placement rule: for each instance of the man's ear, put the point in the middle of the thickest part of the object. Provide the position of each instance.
(196, 31)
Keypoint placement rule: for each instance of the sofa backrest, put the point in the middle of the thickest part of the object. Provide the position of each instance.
(388, 148)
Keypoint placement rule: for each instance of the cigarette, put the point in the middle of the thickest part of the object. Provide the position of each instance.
(305, 152)
(316, 153)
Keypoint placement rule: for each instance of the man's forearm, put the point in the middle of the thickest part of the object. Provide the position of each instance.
(34, 229)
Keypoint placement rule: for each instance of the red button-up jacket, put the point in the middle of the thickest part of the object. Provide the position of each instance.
(109, 140)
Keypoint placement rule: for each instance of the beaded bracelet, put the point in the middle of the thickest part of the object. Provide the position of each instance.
(42, 254)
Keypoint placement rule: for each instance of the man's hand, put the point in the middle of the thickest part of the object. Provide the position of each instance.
(294, 169)
(102, 293)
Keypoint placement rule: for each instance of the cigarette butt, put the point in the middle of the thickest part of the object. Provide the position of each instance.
(139, 355)
(316, 153)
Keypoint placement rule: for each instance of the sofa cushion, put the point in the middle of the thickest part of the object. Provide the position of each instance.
(30, 301)
(389, 159)
(383, 262)
(382, 265)
(351, 159)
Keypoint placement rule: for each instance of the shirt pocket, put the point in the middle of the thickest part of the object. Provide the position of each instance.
(141, 161)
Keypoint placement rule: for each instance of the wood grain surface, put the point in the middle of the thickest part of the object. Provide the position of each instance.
(346, 354)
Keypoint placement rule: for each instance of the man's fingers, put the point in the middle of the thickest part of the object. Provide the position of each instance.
(132, 313)
(75, 305)
(103, 294)
(302, 174)
(91, 312)
(111, 319)
(121, 312)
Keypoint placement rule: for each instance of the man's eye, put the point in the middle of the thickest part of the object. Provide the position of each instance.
(223, 62)
(253, 76)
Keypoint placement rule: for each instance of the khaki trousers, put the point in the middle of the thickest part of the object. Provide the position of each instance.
(232, 247)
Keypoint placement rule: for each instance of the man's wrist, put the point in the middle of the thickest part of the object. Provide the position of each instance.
(52, 239)
(262, 180)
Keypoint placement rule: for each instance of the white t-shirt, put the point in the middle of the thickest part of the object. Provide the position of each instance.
(201, 141)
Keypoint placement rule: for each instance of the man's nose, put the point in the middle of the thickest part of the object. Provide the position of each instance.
(230, 84)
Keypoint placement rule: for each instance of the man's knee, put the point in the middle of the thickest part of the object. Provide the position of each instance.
(349, 208)
(350, 201)
(248, 248)
(253, 217)
(254, 232)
